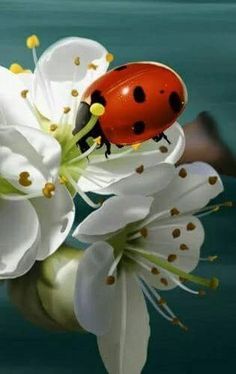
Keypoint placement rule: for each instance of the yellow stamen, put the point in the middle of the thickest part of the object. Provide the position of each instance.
(163, 149)
(98, 140)
(212, 180)
(110, 280)
(144, 232)
(77, 61)
(92, 66)
(24, 179)
(136, 146)
(140, 169)
(183, 173)
(53, 127)
(48, 190)
(174, 212)
(24, 93)
(66, 109)
(32, 41)
(74, 93)
(109, 57)
(63, 179)
(97, 109)
(16, 68)
(212, 258)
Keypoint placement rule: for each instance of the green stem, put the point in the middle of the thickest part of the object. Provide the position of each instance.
(84, 131)
(164, 264)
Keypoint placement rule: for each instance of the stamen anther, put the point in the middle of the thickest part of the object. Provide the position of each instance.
(97, 109)
(183, 247)
(98, 140)
(190, 226)
(66, 109)
(109, 57)
(140, 169)
(161, 301)
(163, 149)
(77, 61)
(53, 127)
(212, 180)
(155, 271)
(174, 212)
(110, 279)
(32, 41)
(183, 173)
(144, 232)
(176, 233)
(48, 190)
(136, 146)
(24, 179)
(24, 93)
(171, 258)
(74, 93)
(164, 281)
(92, 66)
(201, 292)
(214, 283)
(16, 68)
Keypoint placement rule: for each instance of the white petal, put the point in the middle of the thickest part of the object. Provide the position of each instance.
(56, 216)
(56, 71)
(13, 108)
(114, 214)
(45, 145)
(148, 154)
(93, 297)
(185, 244)
(190, 192)
(17, 155)
(20, 233)
(124, 348)
(152, 180)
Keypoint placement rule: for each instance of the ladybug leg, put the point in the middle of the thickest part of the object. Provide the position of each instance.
(119, 146)
(108, 150)
(83, 145)
(160, 137)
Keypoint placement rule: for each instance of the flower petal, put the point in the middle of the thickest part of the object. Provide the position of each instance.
(114, 214)
(121, 164)
(13, 107)
(45, 145)
(124, 348)
(192, 188)
(56, 73)
(93, 297)
(20, 234)
(17, 156)
(178, 240)
(56, 216)
(151, 180)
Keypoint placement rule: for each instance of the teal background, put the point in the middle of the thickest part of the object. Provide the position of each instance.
(198, 40)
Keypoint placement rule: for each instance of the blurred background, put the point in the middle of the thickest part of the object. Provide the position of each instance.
(197, 39)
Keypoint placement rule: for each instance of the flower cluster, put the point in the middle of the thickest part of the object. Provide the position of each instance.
(143, 240)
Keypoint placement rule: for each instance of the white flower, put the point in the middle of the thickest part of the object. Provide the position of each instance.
(48, 100)
(141, 244)
(36, 211)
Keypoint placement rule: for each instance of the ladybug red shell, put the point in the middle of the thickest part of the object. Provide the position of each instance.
(141, 100)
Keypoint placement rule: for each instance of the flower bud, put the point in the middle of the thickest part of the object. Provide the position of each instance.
(45, 295)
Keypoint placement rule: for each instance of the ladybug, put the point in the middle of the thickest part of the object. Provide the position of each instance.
(141, 101)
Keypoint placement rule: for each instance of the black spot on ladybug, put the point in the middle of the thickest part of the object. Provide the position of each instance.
(138, 127)
(122, 67)
(139, 94)
(175, 102)
(97, 97)
(161, 91)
